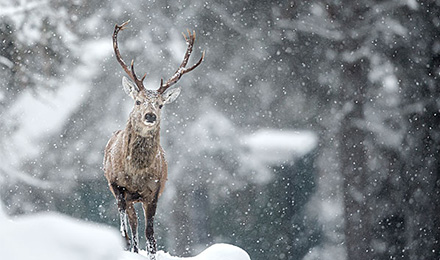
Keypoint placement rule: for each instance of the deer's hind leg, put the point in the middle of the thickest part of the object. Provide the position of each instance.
(120, 195)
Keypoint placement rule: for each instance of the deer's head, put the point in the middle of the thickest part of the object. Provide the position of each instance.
(145, 115)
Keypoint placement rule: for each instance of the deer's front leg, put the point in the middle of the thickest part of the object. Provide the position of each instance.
(150, 211)
(133, 221)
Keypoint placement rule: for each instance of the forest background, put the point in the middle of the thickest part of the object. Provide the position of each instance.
(345, 92)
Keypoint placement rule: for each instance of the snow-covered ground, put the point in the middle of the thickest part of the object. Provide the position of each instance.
(52, 236)
(214, 252)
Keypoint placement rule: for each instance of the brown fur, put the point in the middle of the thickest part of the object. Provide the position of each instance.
(136, 163)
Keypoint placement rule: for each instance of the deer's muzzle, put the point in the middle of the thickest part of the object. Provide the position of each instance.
(150, 118)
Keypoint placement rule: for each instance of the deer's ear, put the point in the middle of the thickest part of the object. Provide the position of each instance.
(129, 87)
(170, 95)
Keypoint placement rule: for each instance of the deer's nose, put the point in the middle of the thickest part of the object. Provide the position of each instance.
(150, 117)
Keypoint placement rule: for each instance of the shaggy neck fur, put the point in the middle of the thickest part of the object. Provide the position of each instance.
(142, 150)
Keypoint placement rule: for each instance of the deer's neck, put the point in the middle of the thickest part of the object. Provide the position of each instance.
(142, 150)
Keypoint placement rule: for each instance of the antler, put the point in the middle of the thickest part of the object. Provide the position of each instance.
(131, 74)
(182, 70)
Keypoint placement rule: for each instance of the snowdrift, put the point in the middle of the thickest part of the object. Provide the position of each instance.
(51, 236)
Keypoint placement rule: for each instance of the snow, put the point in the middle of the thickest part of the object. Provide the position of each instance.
(214, 252)
(54, 236)
(7, 10)
(273, 146)
(47, 113)
(43, 115)
(370, 67)
(35, 117)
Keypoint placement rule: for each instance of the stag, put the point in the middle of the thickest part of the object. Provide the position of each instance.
(134, 161)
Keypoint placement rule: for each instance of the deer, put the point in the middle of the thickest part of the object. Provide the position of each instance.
(134, 160)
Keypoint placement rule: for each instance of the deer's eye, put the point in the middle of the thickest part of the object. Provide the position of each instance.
(138, 102)
(160, 106)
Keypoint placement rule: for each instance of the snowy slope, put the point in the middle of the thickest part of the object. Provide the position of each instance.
(52, 236)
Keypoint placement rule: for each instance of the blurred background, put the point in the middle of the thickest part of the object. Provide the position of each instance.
(310, 131)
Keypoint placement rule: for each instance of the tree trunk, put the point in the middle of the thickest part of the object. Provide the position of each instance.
(354, 166)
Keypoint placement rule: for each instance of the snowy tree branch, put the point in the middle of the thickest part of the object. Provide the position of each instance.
(24, 7)
(7, 62)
